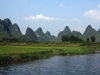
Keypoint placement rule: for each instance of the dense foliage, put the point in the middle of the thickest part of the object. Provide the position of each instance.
(10, 39)
(71, 38)
(87, 39)
(93, 38)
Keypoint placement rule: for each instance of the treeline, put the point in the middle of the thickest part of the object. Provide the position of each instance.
(7, 39)
(10, 39)
(71, 38)
(64, 38)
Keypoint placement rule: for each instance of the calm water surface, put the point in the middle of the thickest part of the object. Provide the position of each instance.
(57, 65)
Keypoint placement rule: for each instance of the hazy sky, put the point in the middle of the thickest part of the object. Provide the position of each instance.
(52, 15)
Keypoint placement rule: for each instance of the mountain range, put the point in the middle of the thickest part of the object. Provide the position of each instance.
(9, 30)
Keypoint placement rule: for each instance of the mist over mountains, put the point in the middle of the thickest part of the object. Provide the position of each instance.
(9, 30)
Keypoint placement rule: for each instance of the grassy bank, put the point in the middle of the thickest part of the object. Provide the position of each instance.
(46, 44)
(17, 54)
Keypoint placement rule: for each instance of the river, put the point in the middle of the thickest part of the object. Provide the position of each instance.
(58, 65)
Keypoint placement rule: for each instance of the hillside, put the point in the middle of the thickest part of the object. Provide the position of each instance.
(9, 30)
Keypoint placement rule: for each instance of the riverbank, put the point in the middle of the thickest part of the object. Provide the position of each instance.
(18, 54)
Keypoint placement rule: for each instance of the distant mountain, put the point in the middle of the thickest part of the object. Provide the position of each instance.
(9, 30)
(44, 36)
(66, 31)
(91, 32)
(4, 30)
(76, 33)
(48, 33)
(15, 26)
(87, 34)
(8, 22)
(50, 37)
(99, 31)
(29, 36)
(40, 35)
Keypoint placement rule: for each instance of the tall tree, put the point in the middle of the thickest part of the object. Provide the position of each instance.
(64, 38)
(93, 38)
(87, 39)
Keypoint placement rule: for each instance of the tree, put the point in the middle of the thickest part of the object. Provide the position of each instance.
(93, 38)
(64, 38)
(72, 37)
(87, 39)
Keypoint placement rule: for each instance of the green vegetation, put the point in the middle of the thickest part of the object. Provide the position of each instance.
(39, 50)
(9, 30)
(87, 39)
(10, 39)
(16, 47)
(29, 36)
(93, 38)
(71, 38)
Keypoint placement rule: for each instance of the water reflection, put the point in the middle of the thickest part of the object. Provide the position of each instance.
(59, 65)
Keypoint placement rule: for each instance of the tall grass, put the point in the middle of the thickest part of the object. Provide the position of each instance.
(17, 54)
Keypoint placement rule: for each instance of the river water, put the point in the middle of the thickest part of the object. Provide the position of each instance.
(58, 65)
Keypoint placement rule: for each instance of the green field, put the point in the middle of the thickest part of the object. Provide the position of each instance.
(17, 54)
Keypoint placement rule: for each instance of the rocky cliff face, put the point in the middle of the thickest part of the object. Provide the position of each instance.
(66, 31)
(48, 33)
(7, 30)
(8, 22)
(13, 31)
(99, 31)
(29, 36)
(89, 31)
(50, 37)
(40, 35)
(15, 26)
(4, 31)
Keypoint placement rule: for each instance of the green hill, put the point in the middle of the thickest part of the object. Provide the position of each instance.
(29, 36)
(9, 30)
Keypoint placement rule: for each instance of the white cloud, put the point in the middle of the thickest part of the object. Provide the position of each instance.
(61, 6)
(75, 19)
(40, 17)
(94, 14)
(99, 5)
